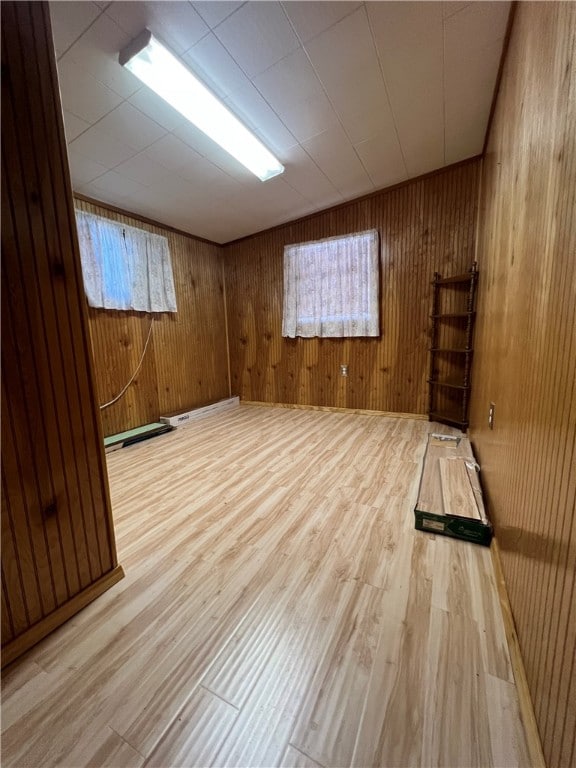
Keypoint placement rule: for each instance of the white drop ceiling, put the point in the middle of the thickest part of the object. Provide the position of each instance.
(350, 96)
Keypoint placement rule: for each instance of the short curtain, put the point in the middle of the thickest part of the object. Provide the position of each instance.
(124, 267)
(331, 287)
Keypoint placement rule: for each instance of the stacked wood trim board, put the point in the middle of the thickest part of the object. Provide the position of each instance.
(450, 498)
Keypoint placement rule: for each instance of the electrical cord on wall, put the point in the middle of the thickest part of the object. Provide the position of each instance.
(115, 400)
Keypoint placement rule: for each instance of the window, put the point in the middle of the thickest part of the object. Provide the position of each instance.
(331, 287)
(124, 267)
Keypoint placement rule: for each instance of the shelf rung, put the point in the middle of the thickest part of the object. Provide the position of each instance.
(448, 384)
(448, 349)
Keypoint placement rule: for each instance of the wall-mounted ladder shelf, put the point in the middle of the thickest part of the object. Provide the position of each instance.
(451, 351)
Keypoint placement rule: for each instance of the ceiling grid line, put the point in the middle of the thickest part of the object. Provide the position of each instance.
(351, 97)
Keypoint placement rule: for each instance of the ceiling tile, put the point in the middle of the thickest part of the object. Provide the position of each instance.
(292, 88)
(255, 112)
(309, 18)
(468, 100)
(473, 40)
(475, 26)
(303, 175)
(176, 24)
(128, 125)
(69, 20)
(156, 108)
(257, 36)
(114, 184)
(200, 143)
(143, 170)
(210, 60)
(82, 94)
(335, 156)
(352, 81)
(97, 53)
(383, 160)
(73, 126)
(452, 7)
(215, 12)
(409, 40)
(171, 152)
(83, 170)
(101, 147)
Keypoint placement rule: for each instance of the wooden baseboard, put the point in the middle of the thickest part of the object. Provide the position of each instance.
(524, 698)
(334, 409)
(24, 642)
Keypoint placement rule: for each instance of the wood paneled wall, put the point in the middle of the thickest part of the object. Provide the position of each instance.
(526, 355)
(425, 225)
(58, 549)
(186, 363)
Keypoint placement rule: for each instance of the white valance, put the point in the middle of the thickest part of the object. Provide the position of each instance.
(124, 267)
(331, 287)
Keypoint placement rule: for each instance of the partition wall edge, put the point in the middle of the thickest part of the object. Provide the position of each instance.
(58, 545)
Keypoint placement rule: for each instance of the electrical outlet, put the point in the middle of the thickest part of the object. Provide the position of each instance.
(491, 415)
(343, 370)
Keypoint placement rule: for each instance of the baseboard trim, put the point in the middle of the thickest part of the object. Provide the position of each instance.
(334, 409)
(15, 648)
(524, 698)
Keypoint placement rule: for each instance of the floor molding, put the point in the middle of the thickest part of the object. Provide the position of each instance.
(24, 642)
(335, 409)
(534, 743)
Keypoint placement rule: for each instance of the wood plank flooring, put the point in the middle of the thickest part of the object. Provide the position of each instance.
(279, 609)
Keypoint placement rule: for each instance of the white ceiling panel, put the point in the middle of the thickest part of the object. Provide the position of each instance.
(84, 170)
(344, 57)
(258, 35)
(346, 62)
(172, 153)
(214, 13)
(83, 95)
(350, 96)
(303, 175)
(310, 18)
(113, 183)
(383, 160)
(473, 41)
(143, 170)
(410, 43)
(97, 53)
(70, 21)
(175, 23)
(150, 104)
(336, 157)
(293, 90)
(73, 126)
(99, 146)
(210, 60)
(129, 126)
(200, 143)
(255, 112)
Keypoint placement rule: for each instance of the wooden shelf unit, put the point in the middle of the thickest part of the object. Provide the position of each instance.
(451, 349)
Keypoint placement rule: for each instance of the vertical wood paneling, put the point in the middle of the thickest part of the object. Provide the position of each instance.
(425, 225)
(186, 363)
(526, 354)
(57, 534)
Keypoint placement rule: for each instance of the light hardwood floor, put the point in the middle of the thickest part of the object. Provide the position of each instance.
(279, 609)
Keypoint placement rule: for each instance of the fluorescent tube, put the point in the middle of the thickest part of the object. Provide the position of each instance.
(161, 71)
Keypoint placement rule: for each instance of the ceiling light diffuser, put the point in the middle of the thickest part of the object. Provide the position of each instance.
(161, 71)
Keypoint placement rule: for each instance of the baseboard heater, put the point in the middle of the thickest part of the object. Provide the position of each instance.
(131, 436)
(182, 419)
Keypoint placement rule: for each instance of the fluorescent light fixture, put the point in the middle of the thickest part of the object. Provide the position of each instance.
(161, 71)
